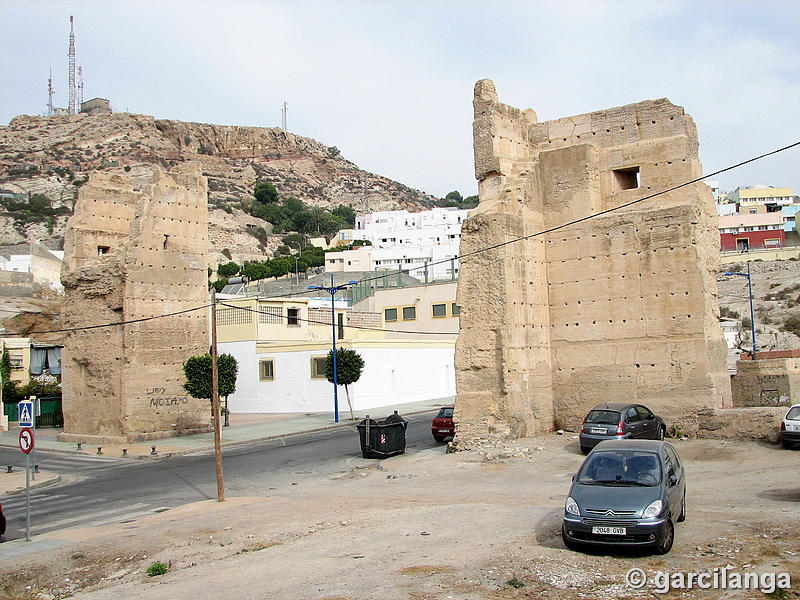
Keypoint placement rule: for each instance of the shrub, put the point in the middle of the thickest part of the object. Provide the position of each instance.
(157, 568)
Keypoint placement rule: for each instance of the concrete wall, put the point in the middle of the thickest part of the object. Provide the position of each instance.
(618, 307)
(393, 373)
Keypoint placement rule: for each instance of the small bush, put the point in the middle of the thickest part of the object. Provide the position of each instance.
(157, 568)
(515, 583)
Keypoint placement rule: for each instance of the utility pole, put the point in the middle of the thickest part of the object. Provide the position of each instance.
(71, 66)
(284, 111)
(215, 409)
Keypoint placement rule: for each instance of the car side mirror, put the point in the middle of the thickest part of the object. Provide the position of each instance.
(650, 417)
(573, 478)
(673, 480)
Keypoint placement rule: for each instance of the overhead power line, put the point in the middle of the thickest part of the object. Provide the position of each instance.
(461, 256)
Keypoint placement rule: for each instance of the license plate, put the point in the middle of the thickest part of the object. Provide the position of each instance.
(609, 530)
(597, 430)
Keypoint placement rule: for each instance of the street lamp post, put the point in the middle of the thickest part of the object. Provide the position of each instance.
(296, 269)
(332, 291)
(752, 314)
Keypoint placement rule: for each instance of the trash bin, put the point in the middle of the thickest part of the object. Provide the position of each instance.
(380, 439)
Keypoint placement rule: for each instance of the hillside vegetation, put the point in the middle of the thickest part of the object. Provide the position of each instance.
(51, 157)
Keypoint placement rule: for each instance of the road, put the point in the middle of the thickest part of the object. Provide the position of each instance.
(96, 490)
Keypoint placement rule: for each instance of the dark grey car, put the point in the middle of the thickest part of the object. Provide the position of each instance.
(626, 493)
(618, 420)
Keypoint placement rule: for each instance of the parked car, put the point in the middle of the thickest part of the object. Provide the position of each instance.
(443, 426)
(621, 421)
(790, 427)
(626, 493)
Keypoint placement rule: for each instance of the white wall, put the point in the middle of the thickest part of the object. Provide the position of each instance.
(392, 375)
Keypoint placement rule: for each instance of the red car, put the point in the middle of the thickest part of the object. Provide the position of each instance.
(443, 425)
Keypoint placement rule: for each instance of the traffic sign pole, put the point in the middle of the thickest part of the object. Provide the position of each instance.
(27, 497)
(26, 444)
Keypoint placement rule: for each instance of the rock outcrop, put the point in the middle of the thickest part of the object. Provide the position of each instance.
(55, 155)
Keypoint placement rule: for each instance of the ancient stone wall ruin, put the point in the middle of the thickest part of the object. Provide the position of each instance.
(618, 305)
(133, 252)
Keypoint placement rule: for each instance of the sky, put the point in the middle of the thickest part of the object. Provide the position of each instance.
(390, 83)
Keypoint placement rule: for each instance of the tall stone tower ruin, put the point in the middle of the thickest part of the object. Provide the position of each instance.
(132, 252)
(619, 307)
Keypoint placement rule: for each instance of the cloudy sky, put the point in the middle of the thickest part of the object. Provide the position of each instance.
(390, 83)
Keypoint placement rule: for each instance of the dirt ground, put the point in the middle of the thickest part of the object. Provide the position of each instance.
(431, 526)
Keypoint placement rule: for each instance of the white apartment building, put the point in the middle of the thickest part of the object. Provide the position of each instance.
(424, 243)
(281, 345)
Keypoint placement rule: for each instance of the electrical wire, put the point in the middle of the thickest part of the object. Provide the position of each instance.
(460, 257)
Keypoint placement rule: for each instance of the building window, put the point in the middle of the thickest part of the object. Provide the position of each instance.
(626, 179)
(318, 367)
(292, 316)
(266, 369)
(439, 310)
(390, 314)
(455, 309)
(103, 250)
(409, 313)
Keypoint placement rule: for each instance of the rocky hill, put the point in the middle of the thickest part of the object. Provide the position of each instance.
(53, 156)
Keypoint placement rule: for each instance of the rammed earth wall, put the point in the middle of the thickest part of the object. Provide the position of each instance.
(622, 306)
(132, 253)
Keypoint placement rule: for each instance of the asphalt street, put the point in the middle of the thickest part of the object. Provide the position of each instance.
(97, 490)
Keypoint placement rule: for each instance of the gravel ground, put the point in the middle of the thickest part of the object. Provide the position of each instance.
(469, 525)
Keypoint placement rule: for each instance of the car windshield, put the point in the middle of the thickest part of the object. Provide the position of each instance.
(603, 417)
(622, 467)
(446, 413)
(794, 413)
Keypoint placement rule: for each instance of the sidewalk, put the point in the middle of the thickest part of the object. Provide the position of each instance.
(243, 429)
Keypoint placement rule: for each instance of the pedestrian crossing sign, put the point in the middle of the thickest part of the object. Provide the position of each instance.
(25, 414)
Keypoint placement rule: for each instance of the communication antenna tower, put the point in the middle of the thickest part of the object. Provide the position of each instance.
(71, 66)
(50, 94)
(284, 110)
(80, 86)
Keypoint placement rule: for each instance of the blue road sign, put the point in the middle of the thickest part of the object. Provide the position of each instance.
(25, 414)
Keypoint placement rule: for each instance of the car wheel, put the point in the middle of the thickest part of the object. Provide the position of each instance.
(585, 450)
(662, 432)
(567, 542)
(682, 516)
(665, 545)
(438, 438)
(786, 444)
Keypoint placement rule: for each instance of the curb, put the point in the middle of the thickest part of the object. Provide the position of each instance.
(34, 485)
(225, 444)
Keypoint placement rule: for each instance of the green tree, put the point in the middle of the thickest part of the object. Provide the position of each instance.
(346, 213)
(5, 366)
(280, 266)
(256, 270)
(454, 196)
(228, 269)
(219, 285)
(265, 192)
(294, 238)
(349, 366)
(197, 370)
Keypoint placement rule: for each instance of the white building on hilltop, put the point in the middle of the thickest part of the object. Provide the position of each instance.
(425, 244)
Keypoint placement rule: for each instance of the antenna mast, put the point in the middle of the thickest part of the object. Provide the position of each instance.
(50, 94)
(80, 87)
(71, 67)
(284, 110)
